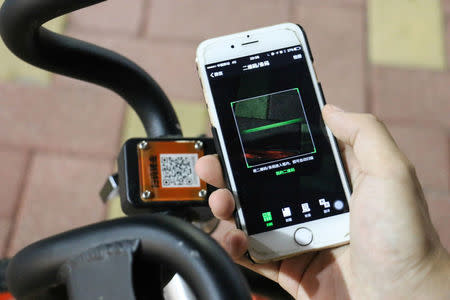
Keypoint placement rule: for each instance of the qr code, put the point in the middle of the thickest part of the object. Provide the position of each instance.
(177, 170)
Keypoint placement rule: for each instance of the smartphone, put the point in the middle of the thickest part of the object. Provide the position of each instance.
(281, 162)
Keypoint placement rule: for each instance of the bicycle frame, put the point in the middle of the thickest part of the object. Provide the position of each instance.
(22, 32)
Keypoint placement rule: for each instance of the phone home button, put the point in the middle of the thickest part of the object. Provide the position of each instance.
(303, 236)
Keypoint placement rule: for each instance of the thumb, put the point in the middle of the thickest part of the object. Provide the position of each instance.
(373, 146)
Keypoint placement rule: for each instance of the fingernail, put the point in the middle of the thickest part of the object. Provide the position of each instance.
(335, 108)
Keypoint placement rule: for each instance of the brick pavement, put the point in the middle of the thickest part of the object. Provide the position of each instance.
(196, 20)
(61, 193)
(114, 16)
(339, 50)
(58, 143)
(14, 163)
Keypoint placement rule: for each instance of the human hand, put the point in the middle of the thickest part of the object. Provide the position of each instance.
(394, 253)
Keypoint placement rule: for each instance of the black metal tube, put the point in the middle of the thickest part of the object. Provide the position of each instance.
(20, 29)
(165, 240)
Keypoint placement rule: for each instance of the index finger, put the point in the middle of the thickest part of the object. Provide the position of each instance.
(209, 169)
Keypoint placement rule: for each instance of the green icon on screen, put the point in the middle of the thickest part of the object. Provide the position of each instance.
(267, 216)
(270, 224)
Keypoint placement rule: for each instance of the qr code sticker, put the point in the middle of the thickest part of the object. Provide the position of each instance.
(177, 170)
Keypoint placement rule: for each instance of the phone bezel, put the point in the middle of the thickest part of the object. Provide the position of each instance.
(279, 243)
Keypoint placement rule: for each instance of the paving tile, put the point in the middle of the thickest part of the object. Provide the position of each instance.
(338, 48)
(446, 6)
(116, 16)
(132, 126)
(61, 194)
(13, 165)
(428, 150)
(201, 19)
(406, 33)
(85, 120)
(4, 232)
(171, 63)
(447, 35)
(439, 208)
(193, 117)
(342, 3)
(413, 95)
(114, 209)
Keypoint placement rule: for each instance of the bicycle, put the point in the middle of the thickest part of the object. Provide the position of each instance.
(153, 255)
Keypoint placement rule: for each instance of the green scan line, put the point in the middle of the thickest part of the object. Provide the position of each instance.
(279, 124)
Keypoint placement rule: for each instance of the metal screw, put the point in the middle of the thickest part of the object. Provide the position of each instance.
(202, 193)
(143, 145)
(198, 145)
(146, 194)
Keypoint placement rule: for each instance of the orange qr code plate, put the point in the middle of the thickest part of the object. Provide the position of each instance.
(167, 171)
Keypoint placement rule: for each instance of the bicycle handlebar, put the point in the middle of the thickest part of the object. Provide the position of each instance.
(20, 29)
(166, 240)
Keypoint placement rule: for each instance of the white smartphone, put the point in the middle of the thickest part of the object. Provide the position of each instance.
(280, 161)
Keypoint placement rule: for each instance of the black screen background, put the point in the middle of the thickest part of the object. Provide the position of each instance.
(264, 191)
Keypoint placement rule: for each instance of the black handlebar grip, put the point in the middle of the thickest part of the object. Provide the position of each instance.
(167, 240)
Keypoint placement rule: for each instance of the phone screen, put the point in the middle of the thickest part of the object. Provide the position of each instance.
(279, 151)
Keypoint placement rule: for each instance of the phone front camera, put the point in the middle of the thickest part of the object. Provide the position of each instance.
(232, 46)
